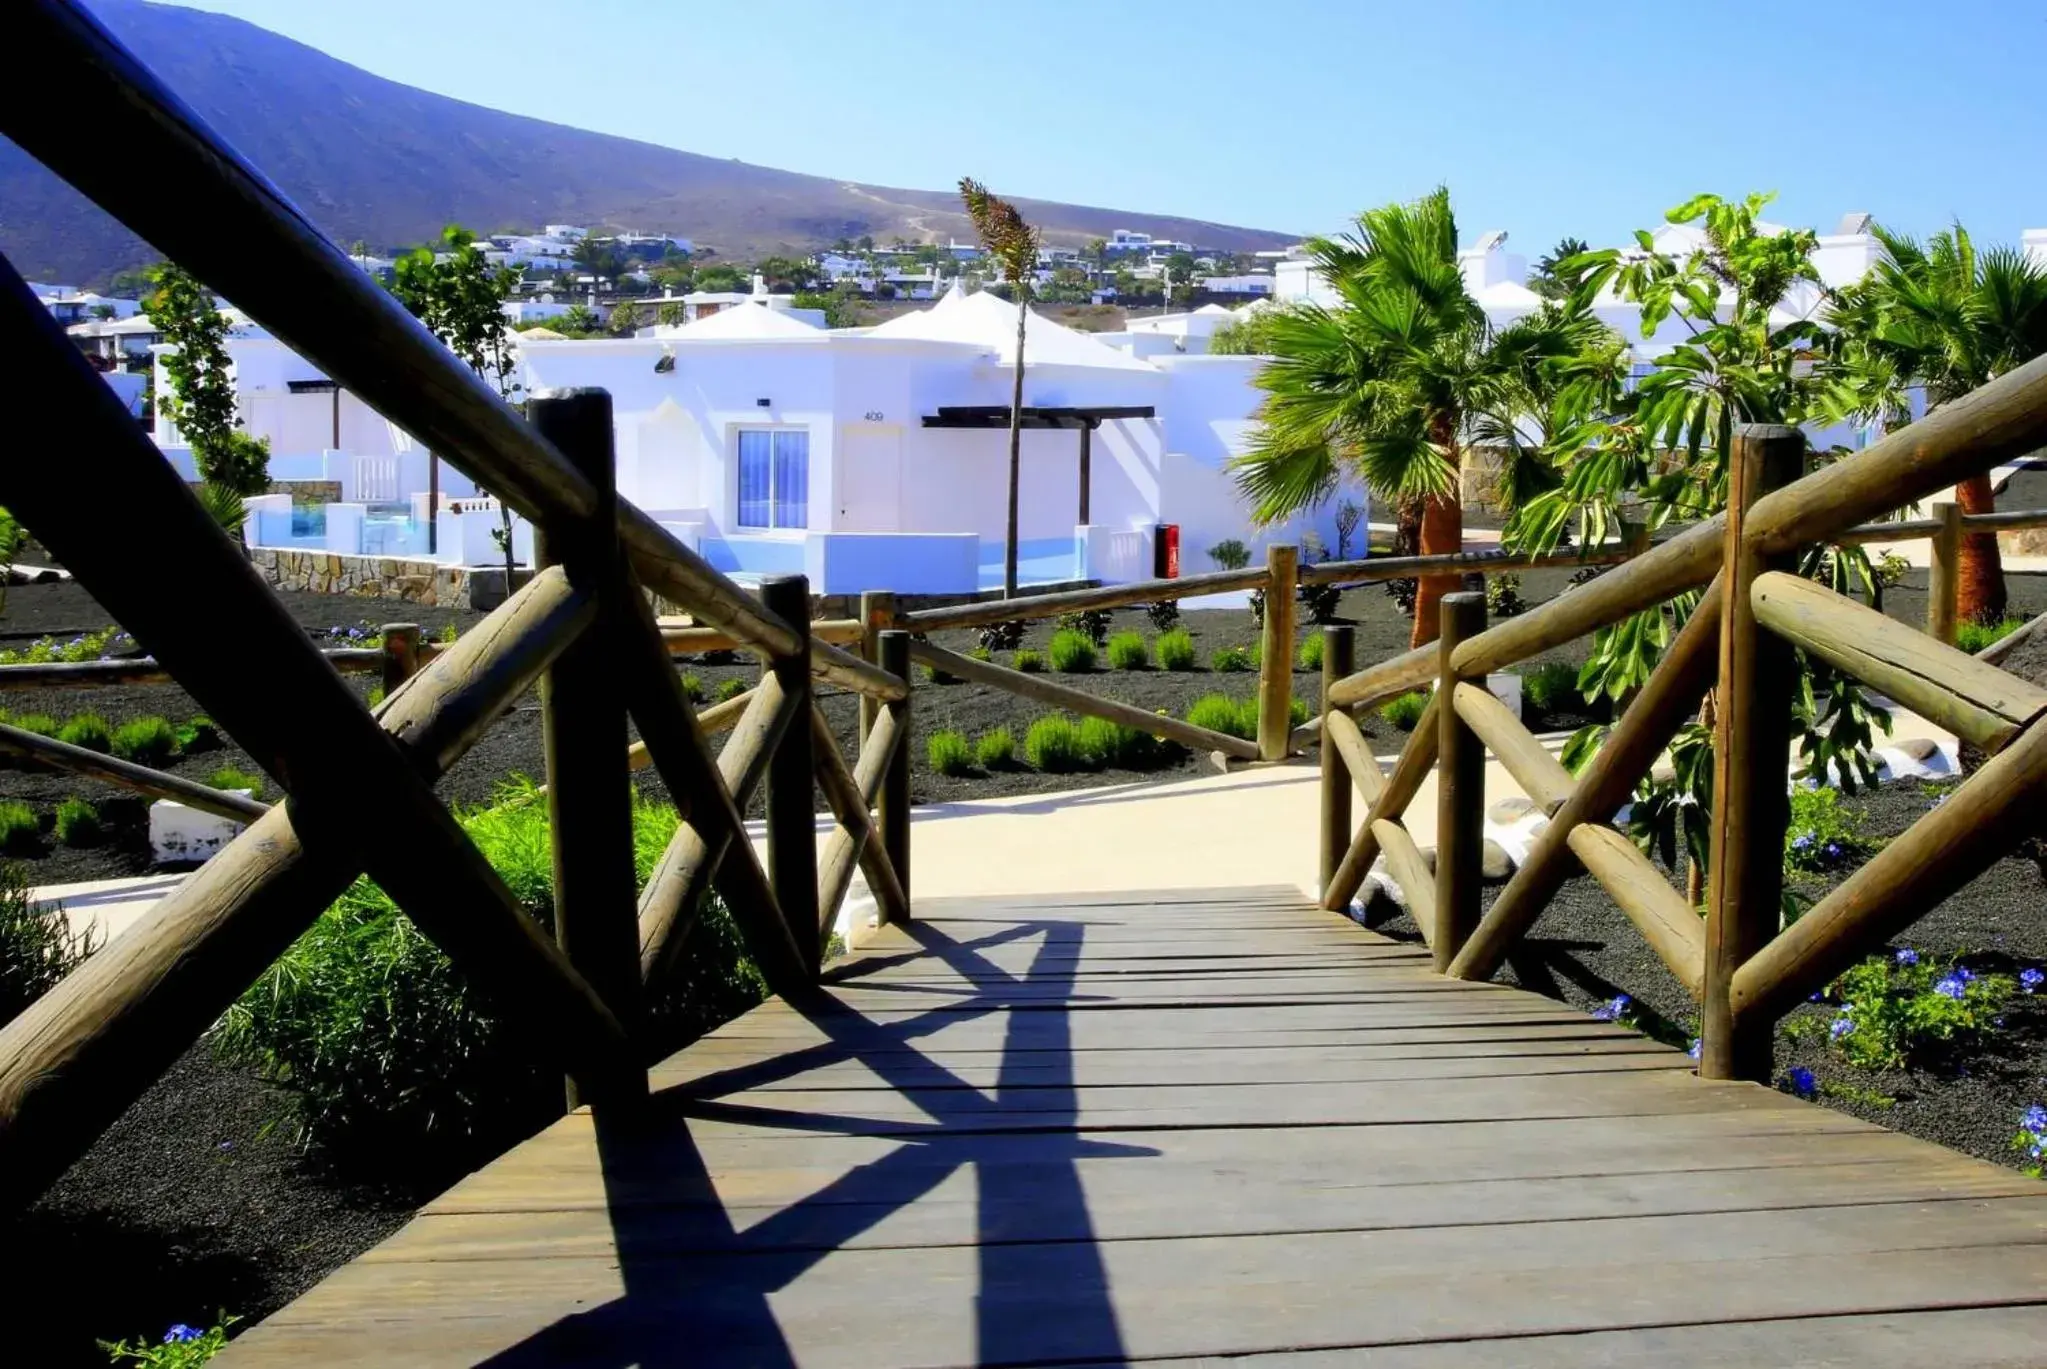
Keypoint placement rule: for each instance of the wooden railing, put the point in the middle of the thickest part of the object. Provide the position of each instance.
(359, 783)
(1734, 960)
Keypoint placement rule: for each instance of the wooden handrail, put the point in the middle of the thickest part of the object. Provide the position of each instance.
(1401, 786)
(140, 778)
(79, 1055)
(2003, 419)
(1952, 689)
(1029, 607)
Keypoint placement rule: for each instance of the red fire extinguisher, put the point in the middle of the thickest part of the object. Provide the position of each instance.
(1166, 552)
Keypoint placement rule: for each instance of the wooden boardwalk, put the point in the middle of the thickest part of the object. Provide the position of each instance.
(1179, 1126)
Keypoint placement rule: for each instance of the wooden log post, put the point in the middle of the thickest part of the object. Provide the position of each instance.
(1339, 658)
(1943, 573)
(1276, 659)
(1460, 790)
(583, 727)
(401, 653)
(1751, 750)
(877, 615)
(894, 806)
(792, 807)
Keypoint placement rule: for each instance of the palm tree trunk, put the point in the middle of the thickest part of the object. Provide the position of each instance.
(1979, 568)
(1015, 444)
(1442, 534)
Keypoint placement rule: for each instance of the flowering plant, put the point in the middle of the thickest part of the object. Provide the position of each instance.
(181, 1347)
(1891, 1011)
(1822, 835)
(2032, 1138)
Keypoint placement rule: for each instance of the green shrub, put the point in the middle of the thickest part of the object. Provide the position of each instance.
(194, 736)
(1405, 711)
(1231, 660)
(1091, 622)
(92, 646)
(1175, 650)
(1896, 1010)
(227, 777)
(1821, 834)
(1973, 637)
(995, 749)
(1503, 596)
(37, 947)
(1550, 685)
(1071, 652)
(729, 690)
(18, 826)
(78, 823)
(375, 697)
(692, 688)
(146, 741)
(1127, 651)
(1053, 745)
(980, 653)
(949, 752)
(88, 730)
(385, 1050)
(1163, 614)
(1029, 662)
(1108, 743)
(1309, 657)
(1221, 713)
(42, 724)
(1298, 712)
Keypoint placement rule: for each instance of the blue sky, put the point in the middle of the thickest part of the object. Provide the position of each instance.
(1544, 117)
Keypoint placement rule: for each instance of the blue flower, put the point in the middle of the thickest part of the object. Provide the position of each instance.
(1952, 986)
(1803, 842)
(181, 1332)
(2033, 1119)
(1698, 1044)
(1802, 1082)
(1938, 799)
(2031, 979)
(1908, 956)
(1611, 1012)
(1833, 850)
(1842, 1025)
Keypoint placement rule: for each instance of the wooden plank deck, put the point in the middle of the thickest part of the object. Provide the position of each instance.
(1185, 1126)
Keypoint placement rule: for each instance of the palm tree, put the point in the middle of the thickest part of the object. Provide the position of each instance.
(1013, 244)
(1392, 382)
(1948, 317)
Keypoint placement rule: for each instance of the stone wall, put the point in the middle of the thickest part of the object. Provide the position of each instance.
(308, 491)
(368, 577)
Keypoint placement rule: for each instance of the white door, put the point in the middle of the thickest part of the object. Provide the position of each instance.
(870, 474)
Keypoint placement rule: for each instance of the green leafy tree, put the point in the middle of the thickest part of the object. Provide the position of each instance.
(1390, 382)
(625, 320)
(787, 274)
(1754, 351)
(460, 297)
(670, 316)
(1012, 244)
(720, 279)
(1948, 317)
(201, 398)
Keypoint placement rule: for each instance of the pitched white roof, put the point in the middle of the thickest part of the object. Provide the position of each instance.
(740, 322)
(989, 321)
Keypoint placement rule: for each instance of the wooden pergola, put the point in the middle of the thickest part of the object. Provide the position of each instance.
(1084, 418)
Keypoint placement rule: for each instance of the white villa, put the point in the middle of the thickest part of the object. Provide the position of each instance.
(871, 458)
(877, 458)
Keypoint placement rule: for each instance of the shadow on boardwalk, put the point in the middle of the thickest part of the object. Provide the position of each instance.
(667, 1317)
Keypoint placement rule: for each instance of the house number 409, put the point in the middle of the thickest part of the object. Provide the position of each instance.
(874, 415)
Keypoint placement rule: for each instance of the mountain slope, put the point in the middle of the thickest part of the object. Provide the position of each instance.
(389, 164)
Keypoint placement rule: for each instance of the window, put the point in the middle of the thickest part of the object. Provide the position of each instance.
(774, 478)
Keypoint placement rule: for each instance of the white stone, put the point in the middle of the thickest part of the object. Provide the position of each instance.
(1505, 686)
(182, 835)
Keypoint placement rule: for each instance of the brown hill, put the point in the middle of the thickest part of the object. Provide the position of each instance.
(389, 164)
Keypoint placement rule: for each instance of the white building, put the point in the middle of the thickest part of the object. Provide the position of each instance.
(124, 343)
(70, 306)
(1251, 285)
(877, 458)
